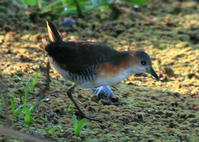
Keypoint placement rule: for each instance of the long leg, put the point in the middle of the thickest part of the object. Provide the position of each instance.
(69, 93)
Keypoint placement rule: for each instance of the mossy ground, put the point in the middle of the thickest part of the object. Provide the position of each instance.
(148, 110)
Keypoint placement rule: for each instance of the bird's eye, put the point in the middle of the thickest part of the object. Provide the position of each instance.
(143, 62)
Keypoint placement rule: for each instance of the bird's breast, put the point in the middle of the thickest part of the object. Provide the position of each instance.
(104, 74)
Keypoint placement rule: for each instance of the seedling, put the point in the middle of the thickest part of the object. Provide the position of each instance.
(69, 109)
(27, 112)
(54, 128)
(78, 126)
(24, 107)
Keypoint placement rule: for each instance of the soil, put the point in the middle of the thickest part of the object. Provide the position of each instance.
(147, 110)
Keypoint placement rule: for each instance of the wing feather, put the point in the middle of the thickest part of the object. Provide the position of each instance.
(81, 58)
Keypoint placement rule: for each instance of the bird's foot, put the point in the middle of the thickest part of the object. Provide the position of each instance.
(106, 94)
(103, 92)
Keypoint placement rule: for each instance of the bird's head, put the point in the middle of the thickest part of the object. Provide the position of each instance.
(141, 62)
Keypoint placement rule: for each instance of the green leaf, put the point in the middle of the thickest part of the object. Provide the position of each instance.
(31, 2)
(27, 117)
(34, 81)
(51, 131)
(41, 101)
(80, 126)
(82, 3)
(64, 2)
(51, 6)
(32, 107)
(138, 2)
(12, 104)
(19, 108)
(15, 110)
(75, 123)
(69, 109)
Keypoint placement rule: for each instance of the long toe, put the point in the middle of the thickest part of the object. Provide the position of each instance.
(103, 92)
(92, 118)
(106, 94)
(83, 115)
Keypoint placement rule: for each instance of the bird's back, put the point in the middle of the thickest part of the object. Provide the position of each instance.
(80, 53)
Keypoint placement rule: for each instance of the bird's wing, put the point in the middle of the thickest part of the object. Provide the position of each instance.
(80, 57)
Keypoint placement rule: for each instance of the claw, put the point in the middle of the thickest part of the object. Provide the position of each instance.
(104, 91)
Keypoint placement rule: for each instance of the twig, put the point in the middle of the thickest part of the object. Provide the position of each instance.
(132, 12)
(18, 135)
(137, 14)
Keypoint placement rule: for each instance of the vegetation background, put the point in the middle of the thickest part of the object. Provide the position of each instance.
(147, 110)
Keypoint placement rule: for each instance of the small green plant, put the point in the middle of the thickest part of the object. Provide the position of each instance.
(15, 110)
(27, 111)
(69, 109)
(136, 2)
(78, 126)
(54, 128)
(72, 7)
(25, 108)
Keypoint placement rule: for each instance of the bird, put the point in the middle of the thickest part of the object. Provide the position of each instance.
(93, 65)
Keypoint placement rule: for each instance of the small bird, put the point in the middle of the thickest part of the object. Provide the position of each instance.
(93, 65)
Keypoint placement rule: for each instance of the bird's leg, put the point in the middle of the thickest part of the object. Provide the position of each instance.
(69, 93)
(104, 92)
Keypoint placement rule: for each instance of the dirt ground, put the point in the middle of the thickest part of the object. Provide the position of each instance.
(148, 110)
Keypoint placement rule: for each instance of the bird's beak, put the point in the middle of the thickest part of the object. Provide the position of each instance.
(152, 72)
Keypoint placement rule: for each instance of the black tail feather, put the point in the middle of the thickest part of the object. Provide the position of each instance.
(53, 34)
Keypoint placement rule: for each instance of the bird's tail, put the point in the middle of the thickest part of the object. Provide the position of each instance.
(53, 34)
